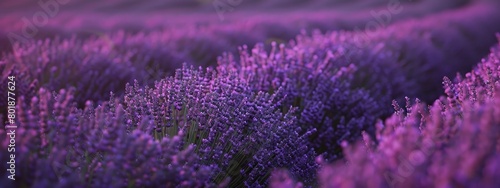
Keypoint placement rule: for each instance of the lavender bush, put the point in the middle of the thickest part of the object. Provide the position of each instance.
(454, 142)
(311, 82)
(242, 134)
(60, 146)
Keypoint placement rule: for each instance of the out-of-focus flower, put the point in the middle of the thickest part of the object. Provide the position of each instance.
(454, 142)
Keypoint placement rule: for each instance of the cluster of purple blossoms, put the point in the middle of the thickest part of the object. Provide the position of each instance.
(241, 134)
(453, 143)
(59, 145)
(321, 90)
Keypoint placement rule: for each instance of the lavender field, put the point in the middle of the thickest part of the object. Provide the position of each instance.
(240, 93)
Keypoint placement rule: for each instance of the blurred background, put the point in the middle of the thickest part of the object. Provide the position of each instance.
(70, 16)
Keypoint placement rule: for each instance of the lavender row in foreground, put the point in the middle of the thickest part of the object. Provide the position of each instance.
(242, 133)
(58, 145)
(197, 129)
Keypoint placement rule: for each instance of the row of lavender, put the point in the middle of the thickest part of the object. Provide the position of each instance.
(343, 81)
(455, 142)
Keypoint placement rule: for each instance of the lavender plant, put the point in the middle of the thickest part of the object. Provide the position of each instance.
(313, 82)
(454, 142)
(240, 133)
(58, 145)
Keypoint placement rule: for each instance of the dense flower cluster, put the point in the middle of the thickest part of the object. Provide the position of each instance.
(454, 142)
(58, 145)
(320, 89)
(240, 132)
